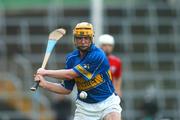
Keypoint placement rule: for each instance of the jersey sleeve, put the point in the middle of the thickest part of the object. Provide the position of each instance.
(68, 84)
(91, 66)
(118, 72)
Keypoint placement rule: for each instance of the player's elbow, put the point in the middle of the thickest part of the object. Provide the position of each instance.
(70, 74)
(66, 92)
(68, 77)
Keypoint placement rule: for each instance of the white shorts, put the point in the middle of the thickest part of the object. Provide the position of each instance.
(97, 111)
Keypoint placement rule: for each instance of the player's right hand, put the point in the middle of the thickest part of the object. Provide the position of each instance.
(41, 71)
(41, 80)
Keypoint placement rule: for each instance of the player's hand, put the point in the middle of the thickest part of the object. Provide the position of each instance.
(41, 80)
(41, 71)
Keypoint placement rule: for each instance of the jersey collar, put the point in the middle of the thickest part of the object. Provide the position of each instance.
(90, 49)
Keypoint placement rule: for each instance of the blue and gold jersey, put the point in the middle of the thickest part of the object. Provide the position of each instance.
(94, 74)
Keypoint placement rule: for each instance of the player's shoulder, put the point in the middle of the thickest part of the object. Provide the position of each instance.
(96, 52)
(71, 55)
(115, 58)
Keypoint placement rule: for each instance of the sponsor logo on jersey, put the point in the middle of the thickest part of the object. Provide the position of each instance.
(86, 85)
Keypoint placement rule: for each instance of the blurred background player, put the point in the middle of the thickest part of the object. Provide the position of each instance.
(106, 42)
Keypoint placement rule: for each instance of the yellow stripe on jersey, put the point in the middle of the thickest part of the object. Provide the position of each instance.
(110, 75)
(86, 85)
(84, 71)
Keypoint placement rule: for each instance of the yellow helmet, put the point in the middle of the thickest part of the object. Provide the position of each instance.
(84, 29)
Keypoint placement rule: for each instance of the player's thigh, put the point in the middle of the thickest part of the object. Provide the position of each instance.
(113, 110)
(82, 116)
(83, 113)
(112, 116)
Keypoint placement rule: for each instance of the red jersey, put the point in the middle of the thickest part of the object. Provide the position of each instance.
(115, 66)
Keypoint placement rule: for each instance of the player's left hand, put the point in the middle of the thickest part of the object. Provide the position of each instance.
(41, 80)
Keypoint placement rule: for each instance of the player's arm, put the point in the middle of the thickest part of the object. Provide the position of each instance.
(53, 87)
(67, 74)
(117, 82)
(117, 85)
